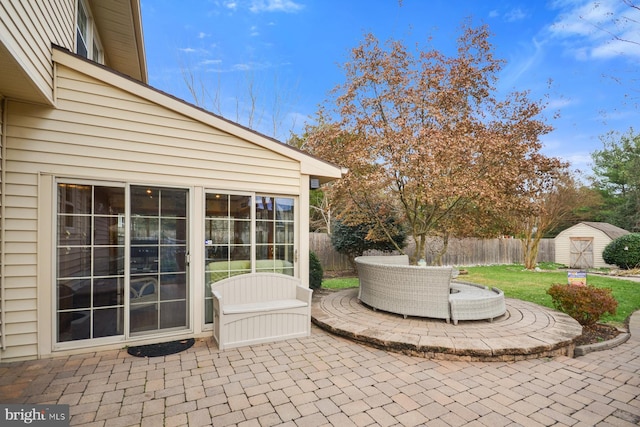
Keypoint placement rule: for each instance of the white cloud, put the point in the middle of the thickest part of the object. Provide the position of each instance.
(559, 103)
(580, 160)
(561, 147)
(615, 48)
(529, 56)
(512, 15)
(232, 5)
(188, 50)
(288, 6)
(242, 67)
(582, 20)
(515, 15)
(617, 115)
(601, 29)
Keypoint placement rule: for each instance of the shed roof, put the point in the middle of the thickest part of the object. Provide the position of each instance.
(609, 229)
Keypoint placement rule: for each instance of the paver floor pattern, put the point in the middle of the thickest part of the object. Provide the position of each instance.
(325, 380)
(526, 330)
(519, 319)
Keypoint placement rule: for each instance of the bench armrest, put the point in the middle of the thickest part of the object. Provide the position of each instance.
(304, 294)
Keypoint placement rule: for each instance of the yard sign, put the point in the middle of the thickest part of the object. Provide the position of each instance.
(577, 277)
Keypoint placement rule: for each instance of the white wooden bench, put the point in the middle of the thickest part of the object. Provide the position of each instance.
(259, 307)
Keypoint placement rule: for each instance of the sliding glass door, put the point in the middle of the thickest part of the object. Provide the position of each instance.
(109, 245)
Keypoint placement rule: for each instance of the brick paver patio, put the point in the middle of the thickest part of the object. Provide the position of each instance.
(525, 331)
(327, 380)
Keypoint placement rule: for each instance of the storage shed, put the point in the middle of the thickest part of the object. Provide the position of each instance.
(581, 245)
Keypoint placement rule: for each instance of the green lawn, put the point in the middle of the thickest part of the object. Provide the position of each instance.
(516, 282)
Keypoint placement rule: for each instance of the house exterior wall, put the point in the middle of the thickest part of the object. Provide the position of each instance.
(563, 242)
(31, 28)
(100, 132)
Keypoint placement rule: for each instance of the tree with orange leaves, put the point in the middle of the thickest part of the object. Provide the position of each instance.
(425, 135)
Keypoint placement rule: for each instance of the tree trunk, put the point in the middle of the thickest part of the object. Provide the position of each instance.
(421, 242)
(530, 245)
(443, 250)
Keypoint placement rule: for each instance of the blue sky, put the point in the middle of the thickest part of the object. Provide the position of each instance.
(280, 58)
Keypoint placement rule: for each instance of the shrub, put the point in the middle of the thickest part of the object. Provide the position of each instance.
(315, 271)
(354, 240)
(586, 304)
(623, 251)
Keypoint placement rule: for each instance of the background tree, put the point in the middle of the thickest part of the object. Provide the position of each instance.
(587, 208)
(555, 197)
(427, 135)
(320, 200)
(253, 102)
(616, 174)
(354, 240)
(320, 212)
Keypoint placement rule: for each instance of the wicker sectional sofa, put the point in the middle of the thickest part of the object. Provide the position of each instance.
(390, 284)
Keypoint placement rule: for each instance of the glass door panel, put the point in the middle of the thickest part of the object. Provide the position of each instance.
(275, 234)
(227, 241)
(90, 261)
(158, 283)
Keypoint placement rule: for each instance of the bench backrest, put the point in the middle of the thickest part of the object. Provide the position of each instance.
(405, 289)
(256, 287)
(384, 259)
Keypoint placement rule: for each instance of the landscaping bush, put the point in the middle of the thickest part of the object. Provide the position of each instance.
(623, 251)
(315, 271)
(586, 304)
(355, 240)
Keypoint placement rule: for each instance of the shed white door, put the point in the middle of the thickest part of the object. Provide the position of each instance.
(581, 252)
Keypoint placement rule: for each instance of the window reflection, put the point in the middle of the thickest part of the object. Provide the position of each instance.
(229, 239)
(158, 258)
(90, 261)
(90, 267)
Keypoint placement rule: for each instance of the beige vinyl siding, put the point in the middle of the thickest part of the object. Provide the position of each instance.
(101, 132)
(32, 26)
(2, 293)
(563, 243)
(20, 261)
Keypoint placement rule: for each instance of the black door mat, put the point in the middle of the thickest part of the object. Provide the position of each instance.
(161, 349)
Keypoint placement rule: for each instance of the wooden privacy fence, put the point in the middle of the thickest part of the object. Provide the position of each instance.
(468, 251)
(331, 260)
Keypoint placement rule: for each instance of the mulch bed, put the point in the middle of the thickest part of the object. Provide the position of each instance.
(596, 334)
(161, 349)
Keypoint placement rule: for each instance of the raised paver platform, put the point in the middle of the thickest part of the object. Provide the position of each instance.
(525, 331)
